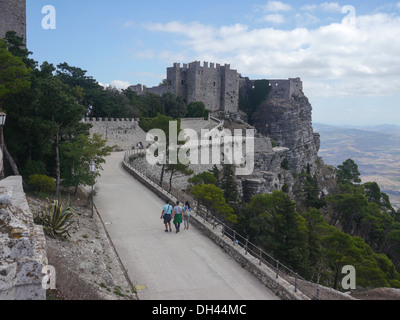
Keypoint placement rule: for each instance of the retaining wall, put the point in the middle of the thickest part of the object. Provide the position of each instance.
(22, 246)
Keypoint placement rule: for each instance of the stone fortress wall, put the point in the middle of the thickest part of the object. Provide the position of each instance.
(285, 88)
(280, 88)
(13, 17)
(217, 86)
(123, 133)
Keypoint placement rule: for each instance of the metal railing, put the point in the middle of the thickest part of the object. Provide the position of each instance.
(311, 290)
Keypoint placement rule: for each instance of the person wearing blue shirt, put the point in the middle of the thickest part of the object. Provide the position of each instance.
(166, 215)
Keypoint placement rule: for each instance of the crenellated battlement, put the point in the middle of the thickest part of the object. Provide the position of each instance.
(198, 66)
(110, 120)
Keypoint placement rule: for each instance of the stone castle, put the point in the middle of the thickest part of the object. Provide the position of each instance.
(217, 86)
(13, 17)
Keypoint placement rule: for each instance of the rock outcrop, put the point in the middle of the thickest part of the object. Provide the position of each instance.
(286, 118)
(289, 122)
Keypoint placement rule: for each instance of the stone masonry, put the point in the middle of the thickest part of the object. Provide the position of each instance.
(22, 246)
(123, 134)
(13, 17)
(215, 85)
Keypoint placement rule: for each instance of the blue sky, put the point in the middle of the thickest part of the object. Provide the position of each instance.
(347, 53)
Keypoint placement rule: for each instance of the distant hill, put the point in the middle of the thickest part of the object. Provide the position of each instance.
(384, 128)
(376, 150)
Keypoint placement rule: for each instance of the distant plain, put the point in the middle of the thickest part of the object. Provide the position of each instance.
(376, 150)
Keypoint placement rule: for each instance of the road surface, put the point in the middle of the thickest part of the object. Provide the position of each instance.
(170, 266)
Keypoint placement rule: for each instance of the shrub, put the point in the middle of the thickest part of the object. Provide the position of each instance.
(42, 183)
(285, 164)
(57, 220)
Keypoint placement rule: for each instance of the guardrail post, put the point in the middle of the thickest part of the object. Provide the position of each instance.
(260, 256)
(234, 237)
(317, 291)
(277, 269)
(295, 282)
(247, 246)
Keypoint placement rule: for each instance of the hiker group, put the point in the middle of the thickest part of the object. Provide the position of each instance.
(177, 215)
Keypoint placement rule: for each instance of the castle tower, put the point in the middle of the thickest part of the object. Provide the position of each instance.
(13, 17)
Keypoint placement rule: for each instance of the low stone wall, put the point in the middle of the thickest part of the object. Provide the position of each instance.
(22, 246)
(279, 286)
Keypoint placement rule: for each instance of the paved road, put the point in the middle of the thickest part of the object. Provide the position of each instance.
(183, 266)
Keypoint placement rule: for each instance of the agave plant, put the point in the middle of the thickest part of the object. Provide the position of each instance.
(57, 220)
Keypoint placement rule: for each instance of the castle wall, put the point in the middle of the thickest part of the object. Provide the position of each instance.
(230, 90)
(13, 17)
(285, 88)
(215, 85)
(122, 133)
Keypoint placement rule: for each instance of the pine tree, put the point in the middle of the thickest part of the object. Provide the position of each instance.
(228, 184)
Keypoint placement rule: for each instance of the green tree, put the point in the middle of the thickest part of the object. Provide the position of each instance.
(228, 184)
(197, 109)
(340, 249)
(213, 199)
(57, 106)
(203, 178)
(76, 156)
(174, 169)
(152, 105)
(174, 106)
(16, 46)
(217, 175)
(349, 209)
(279, 229)
(13, 74)
(348, 172)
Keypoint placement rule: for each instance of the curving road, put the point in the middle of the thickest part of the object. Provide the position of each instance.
(183, 266)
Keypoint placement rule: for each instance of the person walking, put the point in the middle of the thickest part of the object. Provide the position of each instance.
(166, 214)
(186, 214)
(177, 216)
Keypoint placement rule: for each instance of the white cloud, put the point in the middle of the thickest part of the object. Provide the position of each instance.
(128, 24)
(333, 60)
(331, 7)
(309, 7)
(275, 6)
(274, 18)
(325, 6)
(119, 84)
(306, 19)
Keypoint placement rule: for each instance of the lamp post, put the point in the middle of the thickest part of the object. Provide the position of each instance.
(91, 168)
(3, 117)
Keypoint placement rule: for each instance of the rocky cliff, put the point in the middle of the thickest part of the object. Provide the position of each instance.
(289, 122)
(286, 118)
